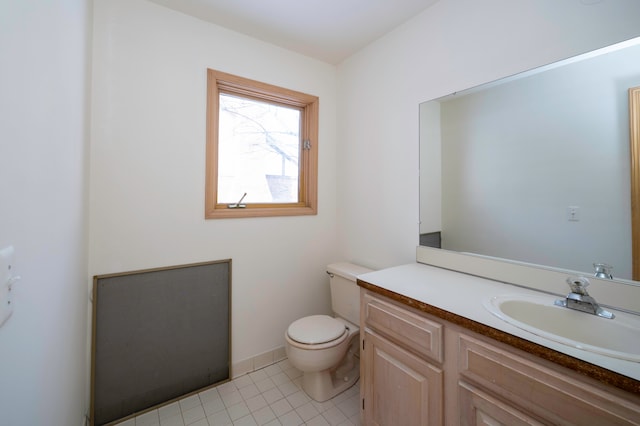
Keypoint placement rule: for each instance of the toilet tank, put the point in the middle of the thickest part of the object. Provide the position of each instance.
(345, 293)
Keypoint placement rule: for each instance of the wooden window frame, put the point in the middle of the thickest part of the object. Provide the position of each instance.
(219, 82)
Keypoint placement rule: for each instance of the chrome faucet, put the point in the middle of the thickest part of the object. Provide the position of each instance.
(580, 300)
(603, 270)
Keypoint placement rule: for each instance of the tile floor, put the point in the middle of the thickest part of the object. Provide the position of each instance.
(270, 396)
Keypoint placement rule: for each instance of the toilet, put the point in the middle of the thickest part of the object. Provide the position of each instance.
(325, 348)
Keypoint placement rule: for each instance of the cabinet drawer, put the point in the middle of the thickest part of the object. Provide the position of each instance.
(477, 408)
(531, 386)
(418, 334)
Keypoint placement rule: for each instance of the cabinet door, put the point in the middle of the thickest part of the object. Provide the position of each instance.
(477, 408)
(400, 388)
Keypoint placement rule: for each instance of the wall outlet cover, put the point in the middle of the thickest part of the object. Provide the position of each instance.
(6, 279)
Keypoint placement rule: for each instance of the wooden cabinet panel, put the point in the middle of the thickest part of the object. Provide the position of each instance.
(555, 397)
(406, 375)
(399, 387)
(414, 332)
(478, 408)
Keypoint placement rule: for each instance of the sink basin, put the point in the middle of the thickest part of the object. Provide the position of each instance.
(618, 337)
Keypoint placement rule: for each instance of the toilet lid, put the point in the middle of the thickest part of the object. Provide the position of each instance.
(316, 329)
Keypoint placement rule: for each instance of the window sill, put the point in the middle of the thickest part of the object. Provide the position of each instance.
(227, 213)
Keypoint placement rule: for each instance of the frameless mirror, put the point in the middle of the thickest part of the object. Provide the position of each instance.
(536, 167)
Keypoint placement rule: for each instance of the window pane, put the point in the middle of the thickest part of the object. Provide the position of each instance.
(258, 151)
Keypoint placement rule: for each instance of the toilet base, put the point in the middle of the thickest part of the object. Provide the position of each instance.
(324, 385)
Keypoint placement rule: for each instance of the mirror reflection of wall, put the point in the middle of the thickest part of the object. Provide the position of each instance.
(430, 175)
(536, 169)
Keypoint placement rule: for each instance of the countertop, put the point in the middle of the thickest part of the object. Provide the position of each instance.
(458, 298)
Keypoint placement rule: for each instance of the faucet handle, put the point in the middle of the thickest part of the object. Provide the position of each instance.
(578, 285)
(603, 270)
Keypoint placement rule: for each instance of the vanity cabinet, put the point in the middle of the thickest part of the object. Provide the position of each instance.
(401, 365)
(420, 369)
(404, 390)
(494, 381)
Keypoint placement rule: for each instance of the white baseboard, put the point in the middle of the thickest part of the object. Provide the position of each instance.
(257, 362)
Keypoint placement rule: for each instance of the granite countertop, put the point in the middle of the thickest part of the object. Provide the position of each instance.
(458, 298)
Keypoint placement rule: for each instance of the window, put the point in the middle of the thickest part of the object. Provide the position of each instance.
(262, 145)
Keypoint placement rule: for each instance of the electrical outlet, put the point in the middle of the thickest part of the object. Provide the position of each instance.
(573, 213)
(6, 281)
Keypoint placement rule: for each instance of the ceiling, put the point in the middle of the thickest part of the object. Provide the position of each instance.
(328, 30)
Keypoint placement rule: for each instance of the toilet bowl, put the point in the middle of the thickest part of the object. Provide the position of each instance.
(325, 348)
(328, 367)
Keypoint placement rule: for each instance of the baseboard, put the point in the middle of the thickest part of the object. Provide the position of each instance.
(257, 362)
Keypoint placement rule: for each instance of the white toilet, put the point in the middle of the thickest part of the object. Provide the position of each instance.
(324, 348)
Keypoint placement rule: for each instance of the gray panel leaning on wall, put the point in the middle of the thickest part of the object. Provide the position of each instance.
(158, 335)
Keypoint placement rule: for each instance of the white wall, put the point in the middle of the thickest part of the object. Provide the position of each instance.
(451, 46)
(148, 166)
(515, 166)
(44, 77)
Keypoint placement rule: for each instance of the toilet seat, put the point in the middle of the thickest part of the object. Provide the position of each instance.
(316, 329)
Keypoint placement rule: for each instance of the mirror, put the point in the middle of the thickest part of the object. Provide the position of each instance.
(535, 167)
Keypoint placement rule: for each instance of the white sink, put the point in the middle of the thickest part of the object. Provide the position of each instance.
(618, 337)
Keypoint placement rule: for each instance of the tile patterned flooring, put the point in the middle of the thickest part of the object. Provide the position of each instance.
(270, 396)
